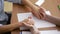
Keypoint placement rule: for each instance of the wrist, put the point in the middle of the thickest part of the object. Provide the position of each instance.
(19, 24)
(16, 25)
(47, 17)
(32, 28)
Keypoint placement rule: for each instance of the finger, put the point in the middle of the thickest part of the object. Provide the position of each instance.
(43, 16)
(28, 25)
(28, 21)
(25, 23)
(36, 14)
(40, 15)
(31, 21)
(42, 10)
(25, 20)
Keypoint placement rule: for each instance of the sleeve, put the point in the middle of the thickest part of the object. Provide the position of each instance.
(15, 1)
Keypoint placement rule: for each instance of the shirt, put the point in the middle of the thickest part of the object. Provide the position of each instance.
(3, 16)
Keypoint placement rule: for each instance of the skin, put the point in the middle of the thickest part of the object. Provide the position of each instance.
(53, 19)
(40, 13)
(10, 27)
(27, 22)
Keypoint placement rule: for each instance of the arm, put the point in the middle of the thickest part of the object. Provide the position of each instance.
(6, 28)
(40, 14)
(34, 8)
(30, 4)
(53, 19)
(30, 24)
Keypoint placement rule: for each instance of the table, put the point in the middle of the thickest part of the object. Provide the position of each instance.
(49, 4)
(17, 9)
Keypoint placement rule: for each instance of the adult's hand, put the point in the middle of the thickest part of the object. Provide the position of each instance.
(28, 23)
(40, 14)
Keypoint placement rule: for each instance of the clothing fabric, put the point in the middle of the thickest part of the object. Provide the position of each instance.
(15, 1)
(8, 22)
(3, 16)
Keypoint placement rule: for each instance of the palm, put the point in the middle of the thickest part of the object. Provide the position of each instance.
(28, 23)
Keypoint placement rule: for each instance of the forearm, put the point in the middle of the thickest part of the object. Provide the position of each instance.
(7, 28)
(34, 30)
(31, 5)
(53, 19)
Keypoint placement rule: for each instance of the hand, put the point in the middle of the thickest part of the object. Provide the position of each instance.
(28, 23)
(40, 14)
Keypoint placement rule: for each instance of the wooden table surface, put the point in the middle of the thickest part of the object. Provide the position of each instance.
(50, 5)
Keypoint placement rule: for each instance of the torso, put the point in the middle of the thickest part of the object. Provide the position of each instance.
(3, 16)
